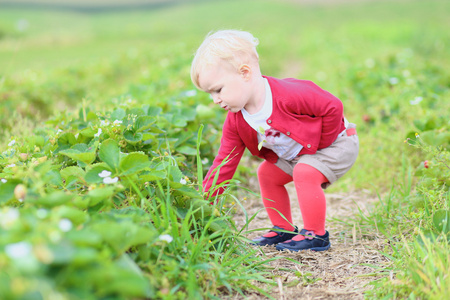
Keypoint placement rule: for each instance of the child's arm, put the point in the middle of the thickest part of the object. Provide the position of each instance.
(231, 146)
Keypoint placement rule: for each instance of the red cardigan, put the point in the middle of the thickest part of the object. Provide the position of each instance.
(301, 110)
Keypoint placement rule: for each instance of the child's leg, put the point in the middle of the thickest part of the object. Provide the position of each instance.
(311, 198)
(271, 181)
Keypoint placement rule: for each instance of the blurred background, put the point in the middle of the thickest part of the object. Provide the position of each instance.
(386, 60)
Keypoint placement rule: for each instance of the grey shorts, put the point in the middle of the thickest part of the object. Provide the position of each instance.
(333, 162)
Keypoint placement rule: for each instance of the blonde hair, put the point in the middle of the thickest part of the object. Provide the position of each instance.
(234, 46)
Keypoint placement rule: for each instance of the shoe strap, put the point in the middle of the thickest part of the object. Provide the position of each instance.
(274, 232)
(308, 234)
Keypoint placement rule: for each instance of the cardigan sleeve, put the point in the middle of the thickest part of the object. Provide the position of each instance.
(231, 149)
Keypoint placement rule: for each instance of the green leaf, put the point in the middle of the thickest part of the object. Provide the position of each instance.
(188, 113)
(84, 237)
(100, 195)
(123, 235)
(85, 257)
(154, 111)
(188, 150)
(110, 154)
(72, 171)
(85, 157)
(179, 121)
(441, 221)
(62, 253)
(218, 225)
(132, 137)
(7, 190)
(76, 216)
(92, 174)
(133, 162)
(54, 199)
(155, 129)
(205, 112)
(144, 122)
(67, 139)
(136, 111)
(260, 145)
(88, 132)
(118, 114)
(153, 176)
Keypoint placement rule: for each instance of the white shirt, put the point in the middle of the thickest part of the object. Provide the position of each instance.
(268, 137)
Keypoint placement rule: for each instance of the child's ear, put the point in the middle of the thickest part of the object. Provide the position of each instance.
(245, 71)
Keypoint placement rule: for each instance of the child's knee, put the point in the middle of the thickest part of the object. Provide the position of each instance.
(307, 173)
(263, 169)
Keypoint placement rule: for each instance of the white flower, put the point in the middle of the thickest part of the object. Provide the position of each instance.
(117, 123)
(41, 213)
(416, 101)
(4, 180)
(98, 132)
(104, 174)
(190, 93)
(183, 181)
(11, 166)
(8, 217)
(109, 180)
(166, 238)
(205, 161)
(59, 131)
(65, 225)
(393, 80)
(18, 250)
(11, 143)
(104, 123)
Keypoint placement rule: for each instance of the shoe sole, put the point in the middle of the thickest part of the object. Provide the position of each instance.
(312, 249)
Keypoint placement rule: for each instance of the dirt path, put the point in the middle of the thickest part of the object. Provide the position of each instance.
(343, 272)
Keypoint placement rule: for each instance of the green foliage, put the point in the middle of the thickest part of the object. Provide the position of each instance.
(96, 205)
(88, 94)
(417, 225)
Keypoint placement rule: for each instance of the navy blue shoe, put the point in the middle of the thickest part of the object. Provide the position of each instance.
(274, 236)
(311, 242)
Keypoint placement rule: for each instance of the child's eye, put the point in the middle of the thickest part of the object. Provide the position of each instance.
(218, 91)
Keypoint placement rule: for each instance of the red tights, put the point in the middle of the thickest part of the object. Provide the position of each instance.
(311, 198)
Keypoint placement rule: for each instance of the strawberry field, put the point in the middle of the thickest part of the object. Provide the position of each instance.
(104, 141)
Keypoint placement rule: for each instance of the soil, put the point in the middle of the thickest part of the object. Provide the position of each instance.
(343, 272)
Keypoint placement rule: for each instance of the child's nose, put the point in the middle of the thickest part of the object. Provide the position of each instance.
(216, 99)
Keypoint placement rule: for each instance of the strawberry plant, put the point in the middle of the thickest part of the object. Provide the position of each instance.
(103, 197)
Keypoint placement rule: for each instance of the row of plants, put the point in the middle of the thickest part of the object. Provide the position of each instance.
(99, 204)
(414, 218)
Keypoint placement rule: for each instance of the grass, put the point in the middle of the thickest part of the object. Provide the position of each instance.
(386, 60)
(371, 44)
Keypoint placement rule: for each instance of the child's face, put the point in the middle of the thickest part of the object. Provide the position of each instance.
(229, 88)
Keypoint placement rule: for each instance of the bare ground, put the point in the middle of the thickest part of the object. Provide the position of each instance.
(343, 272)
